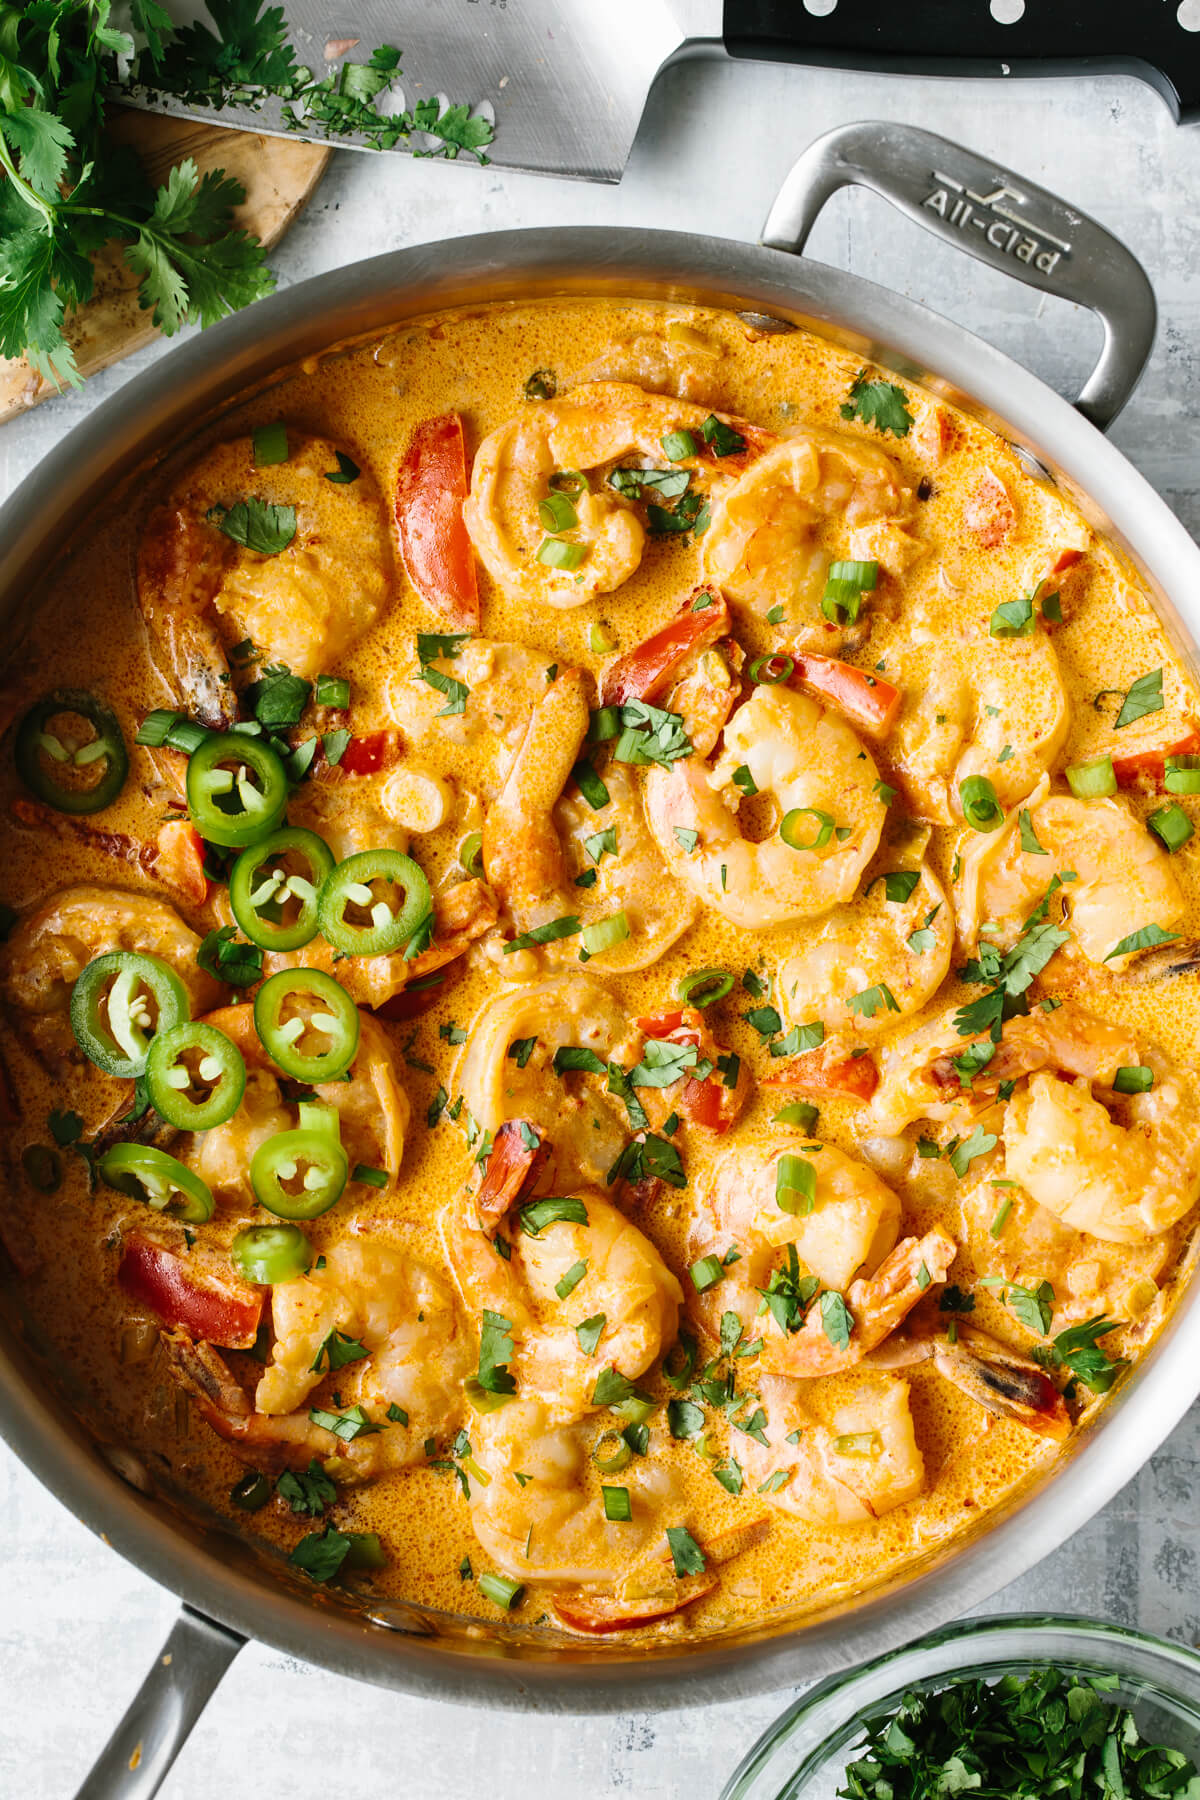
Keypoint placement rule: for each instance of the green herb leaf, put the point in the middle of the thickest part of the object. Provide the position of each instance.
(878, 403)
(1143, 698)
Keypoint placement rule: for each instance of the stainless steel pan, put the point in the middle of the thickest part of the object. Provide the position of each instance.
(229, 1593)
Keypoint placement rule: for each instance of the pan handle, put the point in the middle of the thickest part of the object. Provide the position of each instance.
(998, 217)
(138, 1756)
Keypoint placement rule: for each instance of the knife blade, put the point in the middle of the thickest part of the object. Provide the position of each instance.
(565, 81)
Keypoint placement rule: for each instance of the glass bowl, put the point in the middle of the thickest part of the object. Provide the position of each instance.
(804, 1753)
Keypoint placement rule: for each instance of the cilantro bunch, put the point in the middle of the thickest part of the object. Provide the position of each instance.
(66, 190)
(1020, 1738)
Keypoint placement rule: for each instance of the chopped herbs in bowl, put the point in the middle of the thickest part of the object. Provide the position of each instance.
(1009, 1708)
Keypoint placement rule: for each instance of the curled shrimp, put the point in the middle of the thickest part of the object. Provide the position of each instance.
(538, 1511)
(865, 968)
(507, 1072)
(864, 1463)
(1118, 872)
(810, 765)
(201, 591)
(592, 428)
(539, 837)
(51, 945)
(851, 1225)
(409, 1384)
(504, 683)
(815, 498)
(974, 706)
(1122, 1168)
(1014, 1239)
(372, 1106)
(625, 1291)
(919, 1080)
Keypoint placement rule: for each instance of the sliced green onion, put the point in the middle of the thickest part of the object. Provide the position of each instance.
(500, 1590)
(270, 444)
(568, 481)
(616, 1504)
(612, 1462)
(1094, 780)
(704, 987)
(470, 854)
(557, 514)
(790, 828)
(1182, 775)
(605, 934)
(858, 1443)
(601, 641)
(802, 1113)
(1133, 1078)
(1172, 825)
(769, 671)
(556, 553)
(981, 809)
(864, 575)
(706, 1272)
(795, 1185)
(604, 723)
(251, 1493)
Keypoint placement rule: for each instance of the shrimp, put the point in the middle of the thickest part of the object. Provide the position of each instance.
(919, 1080)
(1121, 1176)
(591, 428)
(409, 1384)
(1014, 1239)
(550, 1525)
(507, 1072)
(372, 1106)
(202, 588)
(627, 1294)
(866, 967)
(875, 1305)
(504, 683)
(864, 1463)
(52, 944)
(808, 762)
(1118, 873)
(538, 839)
(817, 497)
(852, 1224)
(975, 705)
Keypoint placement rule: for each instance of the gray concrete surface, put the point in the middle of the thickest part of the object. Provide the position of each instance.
(77, 1625)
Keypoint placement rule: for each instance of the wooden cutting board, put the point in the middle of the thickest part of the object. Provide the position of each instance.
(278, 174)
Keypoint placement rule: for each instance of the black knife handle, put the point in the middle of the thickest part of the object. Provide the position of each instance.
(962, 37)
(995, 215)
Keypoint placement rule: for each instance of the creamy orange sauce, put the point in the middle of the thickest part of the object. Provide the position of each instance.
(87, 633)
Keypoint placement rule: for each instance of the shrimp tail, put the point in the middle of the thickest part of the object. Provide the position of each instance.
(1003, 1382)
(517, 1158)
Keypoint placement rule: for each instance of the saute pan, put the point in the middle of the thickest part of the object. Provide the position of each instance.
(231, 1593)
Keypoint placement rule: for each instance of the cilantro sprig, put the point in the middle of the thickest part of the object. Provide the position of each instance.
(66, 189)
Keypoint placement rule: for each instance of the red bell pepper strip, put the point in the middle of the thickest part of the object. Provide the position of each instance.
(434, 540)
(827, 1071)
(215, 1308)
(647, 670)
(867, 701)
(709, 1101)
(1149, 764)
